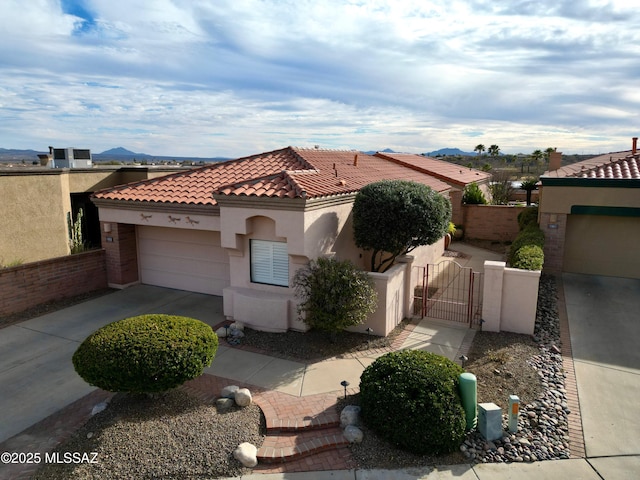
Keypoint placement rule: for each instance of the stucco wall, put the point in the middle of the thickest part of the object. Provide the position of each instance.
(35, 283)
(560, 199)
(491, 222)
(33, 213)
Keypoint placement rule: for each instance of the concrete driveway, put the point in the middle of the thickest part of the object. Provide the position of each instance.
(604, 319)
(37, 377)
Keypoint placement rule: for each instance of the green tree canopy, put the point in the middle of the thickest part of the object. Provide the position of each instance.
(393, 217)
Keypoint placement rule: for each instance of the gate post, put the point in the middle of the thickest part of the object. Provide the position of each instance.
(492, 295)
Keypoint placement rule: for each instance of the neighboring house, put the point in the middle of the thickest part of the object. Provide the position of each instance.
(590, 214)
(242, 228)
(36, 204)
(454, 175)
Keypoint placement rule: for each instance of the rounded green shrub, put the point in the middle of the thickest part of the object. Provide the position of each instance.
(528, 216)
(531, 235)
(528, 257)
(146, 354)
(411, 398)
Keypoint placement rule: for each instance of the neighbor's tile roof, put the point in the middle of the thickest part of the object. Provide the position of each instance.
(617, 165)
(287, 173)
(446, 171)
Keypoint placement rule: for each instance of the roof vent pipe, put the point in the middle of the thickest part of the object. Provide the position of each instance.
(355, 160)
(634, 145)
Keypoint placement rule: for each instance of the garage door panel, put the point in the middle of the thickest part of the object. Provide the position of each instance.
(602, 245)
(184, 259)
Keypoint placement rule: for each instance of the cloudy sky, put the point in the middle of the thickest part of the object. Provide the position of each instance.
(236, 77)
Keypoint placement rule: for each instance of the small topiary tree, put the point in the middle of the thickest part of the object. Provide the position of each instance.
(146, 354)
(472, 195)
(395, 217)
(411, 398)
(334, 294)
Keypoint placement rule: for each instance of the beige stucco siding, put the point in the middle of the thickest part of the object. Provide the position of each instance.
(602, 245)
(560, 199)
(33, 217)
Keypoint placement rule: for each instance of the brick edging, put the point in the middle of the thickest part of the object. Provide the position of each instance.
(576, 434)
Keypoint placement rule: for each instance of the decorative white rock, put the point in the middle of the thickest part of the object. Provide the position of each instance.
(353, 434)
(243, 397)
(350, 415)
(237, 326)
(98, 408)
(246, 454)
(221, 332)
(229, 391)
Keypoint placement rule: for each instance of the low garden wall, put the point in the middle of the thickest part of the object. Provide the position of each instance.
(34, 283)
(491, 222)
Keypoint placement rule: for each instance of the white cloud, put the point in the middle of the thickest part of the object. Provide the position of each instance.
(238, 77)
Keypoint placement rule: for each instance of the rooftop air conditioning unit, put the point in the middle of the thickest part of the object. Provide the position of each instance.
(71, 158)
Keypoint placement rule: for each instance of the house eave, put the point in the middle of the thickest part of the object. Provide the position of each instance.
(170, 207)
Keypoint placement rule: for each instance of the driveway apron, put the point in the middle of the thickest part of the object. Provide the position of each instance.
(604, 319)
(37, 377)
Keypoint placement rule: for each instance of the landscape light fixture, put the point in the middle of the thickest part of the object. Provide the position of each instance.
(463, 358)
(345, 384)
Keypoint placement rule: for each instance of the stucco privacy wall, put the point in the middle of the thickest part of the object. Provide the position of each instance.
(491, 222)
(35, 283)
(33, 216)
(510, 298)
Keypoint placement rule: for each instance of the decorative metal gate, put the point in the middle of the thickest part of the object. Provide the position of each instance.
(448, 291)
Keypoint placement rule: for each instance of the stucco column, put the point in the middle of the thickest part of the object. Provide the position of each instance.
(492, 295)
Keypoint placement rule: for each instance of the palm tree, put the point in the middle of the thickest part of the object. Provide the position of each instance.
(494, 151)
(547, 153)
(528, 185)
(479, 148)
(537, 157)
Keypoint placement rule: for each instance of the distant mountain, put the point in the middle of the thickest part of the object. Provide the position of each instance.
(451, 151)
(121, 151)
(386, 150)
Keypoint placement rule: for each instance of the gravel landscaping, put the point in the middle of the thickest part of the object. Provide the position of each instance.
(177, 436)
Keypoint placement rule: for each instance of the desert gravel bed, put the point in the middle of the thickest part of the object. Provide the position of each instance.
(171, 436)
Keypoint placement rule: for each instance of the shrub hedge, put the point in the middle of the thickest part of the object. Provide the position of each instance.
(412, 399)
(528, 216)
(528, 257)
(530, 236)
(146, 354)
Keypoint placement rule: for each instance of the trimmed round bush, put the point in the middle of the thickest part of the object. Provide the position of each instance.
(411, 398)
(146, 354)
(528, 257)
(531, 235)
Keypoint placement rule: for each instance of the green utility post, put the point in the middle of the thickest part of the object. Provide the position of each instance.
(469, 395)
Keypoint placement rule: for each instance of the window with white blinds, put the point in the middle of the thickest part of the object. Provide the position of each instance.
(269, 263)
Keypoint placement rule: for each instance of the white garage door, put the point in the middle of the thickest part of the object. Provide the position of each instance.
(602, 245)
(189, 260)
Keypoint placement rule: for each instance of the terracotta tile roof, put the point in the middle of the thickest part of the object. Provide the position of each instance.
(287, 173)
(446, 171)
(617, 165)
